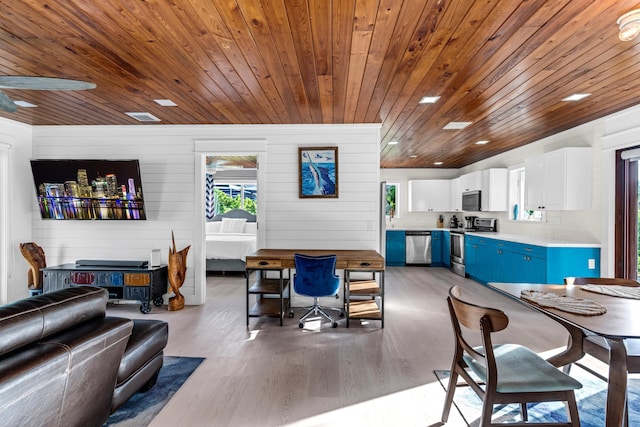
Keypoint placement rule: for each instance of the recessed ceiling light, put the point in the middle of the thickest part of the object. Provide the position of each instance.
(576, 97)
(437, 163)
(143, 117)
(24, 104)
(413, 156)
(482, 142)
(392, 142)
(456, 125)
(429, 99)
(166, 102)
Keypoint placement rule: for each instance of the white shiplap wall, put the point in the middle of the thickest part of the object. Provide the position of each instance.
(347, 222)
(166, 165)
(16, 187)
(173, 200)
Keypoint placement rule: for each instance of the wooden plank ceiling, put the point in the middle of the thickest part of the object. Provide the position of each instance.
(503, 65)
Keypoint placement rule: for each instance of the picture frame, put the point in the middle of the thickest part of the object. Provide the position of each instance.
(318, 172)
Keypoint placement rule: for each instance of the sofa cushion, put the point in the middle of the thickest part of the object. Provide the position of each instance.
(148, 338)
(29, 320)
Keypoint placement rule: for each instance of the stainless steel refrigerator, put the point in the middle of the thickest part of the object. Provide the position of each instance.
(382, 220)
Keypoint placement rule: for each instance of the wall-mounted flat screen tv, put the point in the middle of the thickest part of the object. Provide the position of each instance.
(89, 189)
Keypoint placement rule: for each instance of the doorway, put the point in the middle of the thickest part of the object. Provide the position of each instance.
(224, 148)
(627, 227)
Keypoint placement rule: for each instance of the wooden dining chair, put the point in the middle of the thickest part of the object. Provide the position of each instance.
(597, 346)
(507, 373)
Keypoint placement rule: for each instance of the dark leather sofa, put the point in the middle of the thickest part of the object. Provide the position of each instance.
(63, 362)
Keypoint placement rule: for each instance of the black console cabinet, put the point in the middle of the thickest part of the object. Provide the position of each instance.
(143, 284)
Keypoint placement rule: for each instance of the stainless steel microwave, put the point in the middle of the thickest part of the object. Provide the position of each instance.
(471, 201)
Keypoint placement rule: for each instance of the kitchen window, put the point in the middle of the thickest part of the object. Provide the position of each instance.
(517, 187)
(391, 196)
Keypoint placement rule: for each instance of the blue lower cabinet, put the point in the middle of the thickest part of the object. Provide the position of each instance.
(526, 264)
(478, 258)
(436, 248)
(524, 268)
(498, 260)
(446, 248)
(470, 256)
(395, 247)
(492, 260)
(572, 262)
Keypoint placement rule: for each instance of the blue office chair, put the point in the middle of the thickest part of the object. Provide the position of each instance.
(316, 277)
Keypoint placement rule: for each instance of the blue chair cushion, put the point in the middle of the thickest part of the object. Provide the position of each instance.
(315, 276)
(520, 370)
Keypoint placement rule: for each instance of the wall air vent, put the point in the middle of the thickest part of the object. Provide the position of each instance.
(143, 117)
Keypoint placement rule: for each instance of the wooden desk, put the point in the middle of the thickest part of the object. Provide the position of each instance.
(273, 293)
(621, 321)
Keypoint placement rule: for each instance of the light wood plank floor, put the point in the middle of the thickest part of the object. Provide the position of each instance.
(270, 375)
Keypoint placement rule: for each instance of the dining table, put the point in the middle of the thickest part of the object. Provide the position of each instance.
(619, 322)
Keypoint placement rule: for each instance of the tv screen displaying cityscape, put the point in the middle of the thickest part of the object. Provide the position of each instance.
(89, 189)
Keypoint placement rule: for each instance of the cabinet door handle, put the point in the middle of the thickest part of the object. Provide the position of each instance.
(263, 263)
(365, 264)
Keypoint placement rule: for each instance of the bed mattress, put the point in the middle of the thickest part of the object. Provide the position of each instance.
(230, 245)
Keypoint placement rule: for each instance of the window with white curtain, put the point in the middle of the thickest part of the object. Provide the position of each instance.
(517, 212)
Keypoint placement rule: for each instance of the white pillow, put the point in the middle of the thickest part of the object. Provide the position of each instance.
(251, 228)
(232, 225)
(213, 227)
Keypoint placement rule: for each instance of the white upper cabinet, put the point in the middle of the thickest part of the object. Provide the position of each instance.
(471, 181)
(559, 180)
(534, 183)
(429, 195)
(494, 192)
(455, 195)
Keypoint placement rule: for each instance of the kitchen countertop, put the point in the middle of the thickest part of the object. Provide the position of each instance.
(517, 238)
(419, 229)
(535, 240)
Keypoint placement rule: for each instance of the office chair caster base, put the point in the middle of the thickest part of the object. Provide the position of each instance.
(334, 325)
(300, 325)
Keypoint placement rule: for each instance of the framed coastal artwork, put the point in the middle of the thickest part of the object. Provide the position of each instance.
(318, 172)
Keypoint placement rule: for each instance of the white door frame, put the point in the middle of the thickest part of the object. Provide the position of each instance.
(5, 177)
(223, 147)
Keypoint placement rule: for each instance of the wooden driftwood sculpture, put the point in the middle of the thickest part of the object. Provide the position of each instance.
(177, 272)
(34, 255)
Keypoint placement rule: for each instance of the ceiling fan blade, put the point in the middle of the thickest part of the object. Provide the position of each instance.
(7, 104)
(43, 83)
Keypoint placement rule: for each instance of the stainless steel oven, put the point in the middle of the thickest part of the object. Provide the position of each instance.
(457, 241)
(457, 252)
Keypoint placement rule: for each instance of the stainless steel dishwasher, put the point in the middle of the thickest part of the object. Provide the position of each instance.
(418, 247)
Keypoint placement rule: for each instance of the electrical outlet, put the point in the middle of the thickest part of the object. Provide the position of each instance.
(592, 264)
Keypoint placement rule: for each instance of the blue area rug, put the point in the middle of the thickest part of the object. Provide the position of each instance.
(141, 408)
(591, 403)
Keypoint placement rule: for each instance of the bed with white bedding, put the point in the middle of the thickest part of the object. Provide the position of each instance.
(230, 237)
